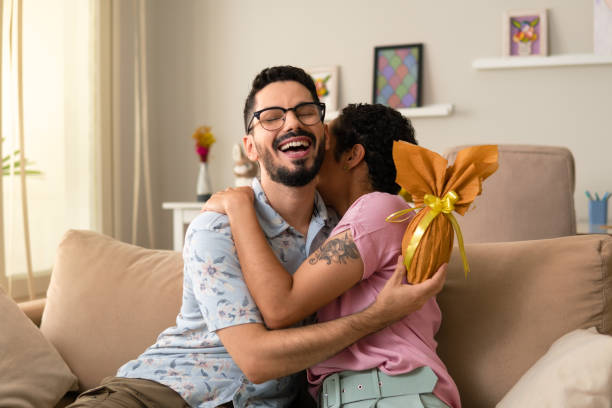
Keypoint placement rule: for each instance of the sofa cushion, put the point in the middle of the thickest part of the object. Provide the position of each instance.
(575, 372)
(517, 300)
(107, 301)
(526, 173)
(32, 373)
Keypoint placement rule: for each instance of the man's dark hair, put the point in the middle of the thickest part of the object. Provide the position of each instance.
(275, 74)
(375, 127)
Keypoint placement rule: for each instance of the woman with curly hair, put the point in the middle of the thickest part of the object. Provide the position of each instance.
(397, 366)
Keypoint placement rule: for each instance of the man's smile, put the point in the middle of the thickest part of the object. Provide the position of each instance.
(295, 146)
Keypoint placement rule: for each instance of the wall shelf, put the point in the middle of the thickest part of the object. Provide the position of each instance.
(443, 109)
(535, 62)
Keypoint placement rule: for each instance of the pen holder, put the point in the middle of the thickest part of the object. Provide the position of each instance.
(598, 216)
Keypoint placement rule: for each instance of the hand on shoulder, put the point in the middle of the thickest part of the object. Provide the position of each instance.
(230, 199)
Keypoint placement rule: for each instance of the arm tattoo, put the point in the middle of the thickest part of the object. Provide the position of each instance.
(336, 250)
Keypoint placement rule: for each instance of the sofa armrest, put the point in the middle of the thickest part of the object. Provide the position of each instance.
(33, 309)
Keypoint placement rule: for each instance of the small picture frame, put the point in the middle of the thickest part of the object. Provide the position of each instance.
(326, 81)
(602, 27)
(398, 75)
(525, 33)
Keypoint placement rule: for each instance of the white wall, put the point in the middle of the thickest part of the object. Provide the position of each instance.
(204, 55)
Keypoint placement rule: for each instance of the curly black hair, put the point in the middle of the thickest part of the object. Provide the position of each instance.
(375, 127)
(275, 74)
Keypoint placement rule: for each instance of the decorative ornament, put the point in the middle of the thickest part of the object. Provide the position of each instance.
(244, 169)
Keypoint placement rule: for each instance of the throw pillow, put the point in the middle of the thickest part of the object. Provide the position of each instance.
(575, 372)
(32, 373)
(108, 301)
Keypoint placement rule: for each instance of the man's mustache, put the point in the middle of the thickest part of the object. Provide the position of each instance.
(291, 134)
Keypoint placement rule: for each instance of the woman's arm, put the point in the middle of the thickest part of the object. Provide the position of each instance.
(284, 299)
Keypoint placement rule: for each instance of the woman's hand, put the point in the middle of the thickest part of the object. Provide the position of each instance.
(230, 199)
(398, 299)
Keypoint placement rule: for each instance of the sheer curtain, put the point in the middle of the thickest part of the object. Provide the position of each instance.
(141, 128)
(83, 88)
(51, 112)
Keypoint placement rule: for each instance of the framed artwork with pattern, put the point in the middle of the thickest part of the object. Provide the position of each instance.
(398, 75)
(326, 82)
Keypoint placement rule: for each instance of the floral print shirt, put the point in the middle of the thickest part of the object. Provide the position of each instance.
(189, 357)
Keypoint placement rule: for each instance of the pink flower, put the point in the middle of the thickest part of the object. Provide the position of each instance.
(204, 140)
(202, 151)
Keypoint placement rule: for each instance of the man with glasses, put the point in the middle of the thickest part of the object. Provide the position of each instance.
(220, 353)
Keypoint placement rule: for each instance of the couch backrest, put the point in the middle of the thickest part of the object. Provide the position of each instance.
(107, 302)
(517, 300)
(530, 196)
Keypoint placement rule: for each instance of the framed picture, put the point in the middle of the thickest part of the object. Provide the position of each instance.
(326, 81)
(602, 24)
(525, 33)
(398, 75)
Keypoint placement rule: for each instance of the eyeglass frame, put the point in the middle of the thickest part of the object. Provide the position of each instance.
(256, 114)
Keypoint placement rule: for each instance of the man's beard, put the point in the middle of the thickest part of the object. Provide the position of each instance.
(300, 176)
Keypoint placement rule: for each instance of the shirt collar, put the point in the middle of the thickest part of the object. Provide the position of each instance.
(273, 224)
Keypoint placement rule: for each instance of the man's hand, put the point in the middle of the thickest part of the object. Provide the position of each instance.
(398, 299)
(229, 199)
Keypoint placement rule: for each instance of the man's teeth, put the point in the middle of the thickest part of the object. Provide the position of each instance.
(300, 143)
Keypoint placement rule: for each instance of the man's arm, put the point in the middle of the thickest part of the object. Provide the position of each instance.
(266, 354)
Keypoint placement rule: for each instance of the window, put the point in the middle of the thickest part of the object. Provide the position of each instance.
(59, 134)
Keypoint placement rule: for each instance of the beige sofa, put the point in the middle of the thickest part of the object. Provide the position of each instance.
(510, 334)
(108, 300)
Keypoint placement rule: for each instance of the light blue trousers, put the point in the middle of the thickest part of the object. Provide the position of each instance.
(375, 389)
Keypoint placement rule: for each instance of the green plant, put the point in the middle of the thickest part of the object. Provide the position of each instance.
(13, 158)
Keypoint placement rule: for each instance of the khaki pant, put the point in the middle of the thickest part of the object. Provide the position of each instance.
(115, 392)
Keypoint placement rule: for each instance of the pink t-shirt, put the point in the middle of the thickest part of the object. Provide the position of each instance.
(405, 345)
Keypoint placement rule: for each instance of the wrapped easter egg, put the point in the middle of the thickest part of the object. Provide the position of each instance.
(438, 190)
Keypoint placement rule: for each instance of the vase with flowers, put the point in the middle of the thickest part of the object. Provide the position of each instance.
(204, 140)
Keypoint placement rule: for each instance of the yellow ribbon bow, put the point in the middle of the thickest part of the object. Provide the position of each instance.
(444, 205)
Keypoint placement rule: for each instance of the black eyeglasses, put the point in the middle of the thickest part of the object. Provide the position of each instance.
(273, 118)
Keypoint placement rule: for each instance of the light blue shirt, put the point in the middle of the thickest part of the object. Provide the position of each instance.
(189, 357)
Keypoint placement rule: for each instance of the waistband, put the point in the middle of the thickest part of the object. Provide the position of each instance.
(351, 386)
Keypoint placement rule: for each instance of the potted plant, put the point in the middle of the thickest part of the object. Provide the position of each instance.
(13, 159)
